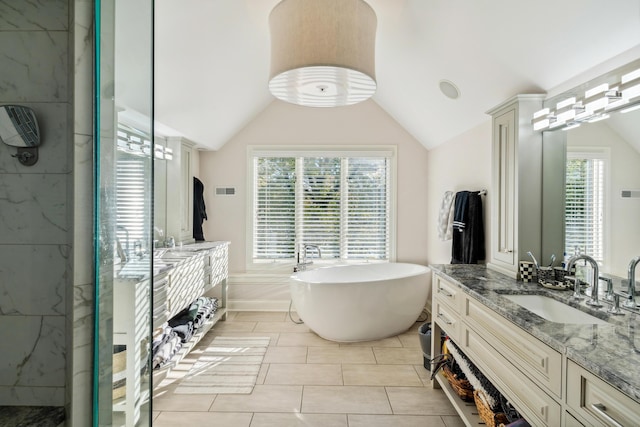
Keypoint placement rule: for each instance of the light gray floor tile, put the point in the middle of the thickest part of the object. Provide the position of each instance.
(306, 339)
(385, 342)
(280, 327)
(395, 421)
(385, 382)
(419, 401)
(304, 374)
(299, 420)
(278, 354)
(202, 419)
(261, 316)
(381, 375)
(359, 355)
(183, 402)
(345, 400)
(397, 356)
(265, 398)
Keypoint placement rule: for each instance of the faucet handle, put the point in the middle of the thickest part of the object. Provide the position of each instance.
(615, 308)
(609, 296)
(576, 287)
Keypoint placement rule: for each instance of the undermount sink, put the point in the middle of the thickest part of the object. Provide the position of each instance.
(554, 311)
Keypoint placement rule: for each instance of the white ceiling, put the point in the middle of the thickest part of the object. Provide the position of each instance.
(212, 59)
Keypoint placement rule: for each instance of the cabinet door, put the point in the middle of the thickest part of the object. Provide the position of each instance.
(504, 175)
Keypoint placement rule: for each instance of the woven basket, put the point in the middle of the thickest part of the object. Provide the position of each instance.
(490, 418)
(462, 386)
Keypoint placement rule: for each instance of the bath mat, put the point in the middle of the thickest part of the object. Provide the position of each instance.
(229, 365)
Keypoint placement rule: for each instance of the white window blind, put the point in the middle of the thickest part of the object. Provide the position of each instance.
(584, 204)
(341, 204)
(133, 189)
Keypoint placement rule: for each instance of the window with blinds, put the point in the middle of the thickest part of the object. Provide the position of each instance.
(133, 190)
(340, 203)
(584, 204)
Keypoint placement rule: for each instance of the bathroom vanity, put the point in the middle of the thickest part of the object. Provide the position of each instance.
(582, 372)
(180, 276)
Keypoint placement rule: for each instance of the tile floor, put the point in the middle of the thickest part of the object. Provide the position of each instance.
(306, 381)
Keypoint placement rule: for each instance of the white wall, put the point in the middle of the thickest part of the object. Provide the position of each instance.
(462, 163)
(285, 124)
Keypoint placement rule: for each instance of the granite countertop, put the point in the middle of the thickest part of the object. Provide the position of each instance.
(26, 416)
(164, 260)
(610, 351)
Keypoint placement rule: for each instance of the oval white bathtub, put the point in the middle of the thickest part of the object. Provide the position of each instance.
(361, 302)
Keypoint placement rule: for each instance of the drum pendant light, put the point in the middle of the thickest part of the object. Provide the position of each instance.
(322, 52)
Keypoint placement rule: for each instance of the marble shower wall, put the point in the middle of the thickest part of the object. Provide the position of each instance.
(35, 205)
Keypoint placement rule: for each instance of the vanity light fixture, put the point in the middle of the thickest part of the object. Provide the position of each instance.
(630, 109)
(542, 119)
(595, 105)
(322, 52)
(598, 118)
(630, 85)
(565, 111)
(573, 125)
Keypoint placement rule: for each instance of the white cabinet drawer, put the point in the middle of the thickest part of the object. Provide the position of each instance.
(448, 319)
(531, 401)
(449, 294)
(542, 363)
(598, 402)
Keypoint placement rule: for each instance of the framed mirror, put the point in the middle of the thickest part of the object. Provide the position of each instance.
(591, 195)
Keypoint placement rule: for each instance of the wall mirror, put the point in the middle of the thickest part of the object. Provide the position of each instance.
(592, 183)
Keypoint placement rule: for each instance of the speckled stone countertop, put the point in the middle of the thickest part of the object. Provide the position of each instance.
(164, 260)
(611, 351)
(31, 416)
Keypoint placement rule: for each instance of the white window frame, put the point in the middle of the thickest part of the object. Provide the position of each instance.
(602, 153)
(253, 151)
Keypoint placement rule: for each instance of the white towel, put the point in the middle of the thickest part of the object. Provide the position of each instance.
(445, 219)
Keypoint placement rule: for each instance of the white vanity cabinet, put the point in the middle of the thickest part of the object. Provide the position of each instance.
(599, 404)
(195, 273)
(516, 183)
(131, 329)
(543, 384)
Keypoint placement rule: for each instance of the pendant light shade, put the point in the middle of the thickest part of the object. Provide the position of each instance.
(322, 52)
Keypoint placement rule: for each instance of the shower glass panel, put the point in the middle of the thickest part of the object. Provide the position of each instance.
(124, 212)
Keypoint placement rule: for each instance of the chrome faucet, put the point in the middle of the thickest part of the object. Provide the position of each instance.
(301, 257)
(631, 289)
(593, 301)
(317, 248)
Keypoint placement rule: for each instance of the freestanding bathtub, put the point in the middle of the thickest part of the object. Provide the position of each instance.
(361, 302)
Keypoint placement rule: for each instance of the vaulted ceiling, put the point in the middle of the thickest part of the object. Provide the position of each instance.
(212, 59)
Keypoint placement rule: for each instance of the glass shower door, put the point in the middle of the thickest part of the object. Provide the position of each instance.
(124, 216)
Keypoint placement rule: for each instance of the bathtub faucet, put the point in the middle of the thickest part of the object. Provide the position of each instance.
(317, 248)
(301, 256)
